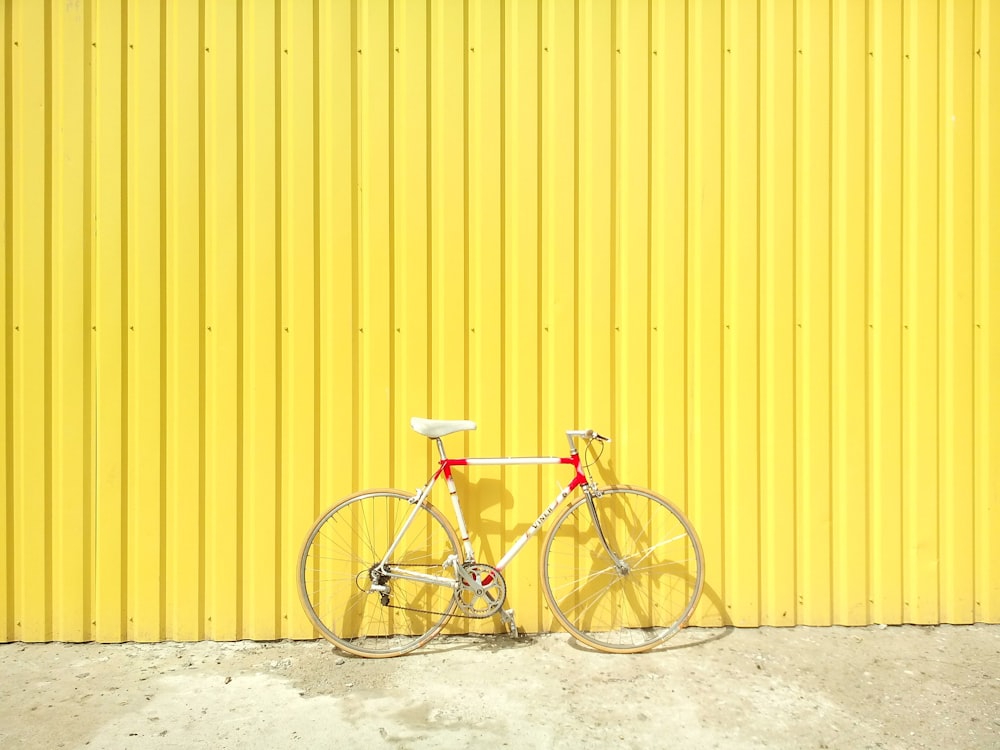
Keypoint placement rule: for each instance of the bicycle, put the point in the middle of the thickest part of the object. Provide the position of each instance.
(382, 571)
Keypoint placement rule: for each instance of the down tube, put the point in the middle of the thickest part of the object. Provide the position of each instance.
(533, 529)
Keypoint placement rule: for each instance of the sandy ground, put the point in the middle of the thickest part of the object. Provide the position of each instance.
(877, 687)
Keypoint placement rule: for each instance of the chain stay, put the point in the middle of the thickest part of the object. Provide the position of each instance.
(454, 613)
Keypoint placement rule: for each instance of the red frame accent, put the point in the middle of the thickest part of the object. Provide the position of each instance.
(573, 461)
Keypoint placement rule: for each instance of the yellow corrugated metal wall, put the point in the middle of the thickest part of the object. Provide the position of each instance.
(244, 241)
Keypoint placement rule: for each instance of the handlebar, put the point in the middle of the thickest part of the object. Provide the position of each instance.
(586, 434)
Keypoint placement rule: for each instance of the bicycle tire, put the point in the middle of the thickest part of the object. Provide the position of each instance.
(635, 606)
(335, 564)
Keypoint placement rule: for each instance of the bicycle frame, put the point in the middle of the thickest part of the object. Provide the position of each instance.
(621, 567)
(445, 466)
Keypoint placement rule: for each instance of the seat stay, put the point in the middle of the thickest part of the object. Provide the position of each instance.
(419, 500)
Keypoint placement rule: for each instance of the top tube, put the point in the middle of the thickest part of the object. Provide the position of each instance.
(508, 461)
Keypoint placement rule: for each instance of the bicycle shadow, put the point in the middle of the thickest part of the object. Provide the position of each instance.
(484, 642)
(689, 637)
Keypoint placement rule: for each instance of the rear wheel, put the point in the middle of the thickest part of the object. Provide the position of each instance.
(361, 607)
(636, 587)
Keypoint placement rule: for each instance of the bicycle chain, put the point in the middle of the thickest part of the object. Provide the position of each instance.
(432, 612)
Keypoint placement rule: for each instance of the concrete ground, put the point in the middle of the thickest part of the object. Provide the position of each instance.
(874, 687)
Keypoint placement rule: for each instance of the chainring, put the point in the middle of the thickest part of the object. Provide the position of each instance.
(482, 591)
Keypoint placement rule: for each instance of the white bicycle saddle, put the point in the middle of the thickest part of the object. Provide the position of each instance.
(435, 428)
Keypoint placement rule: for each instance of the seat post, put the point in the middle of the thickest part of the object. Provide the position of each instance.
(440, 448)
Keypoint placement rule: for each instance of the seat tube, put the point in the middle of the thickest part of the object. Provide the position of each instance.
(453, 491)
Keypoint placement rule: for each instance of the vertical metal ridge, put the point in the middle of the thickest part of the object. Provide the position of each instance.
(317, 394)
(831, 354)
(868, 317)
(941, 300)
(796, 247)
(650, 447)
(429, 204)
(869, 314)
(796, 370)
(241, 323)
(356, 240)
(738, 283)
(834, 356)
(685, 271)
(504, 382)
(758, 353)
(724, 587)
(577, 304)
(919, 457)
(958, 362)
(901, 373)
(279, 312)
(725, 429)
(202, 324)
(161, 385)
(980, 354)
(974, 265)
(123, 332)
(540, 212)
(939, 295)
(987, 436)
(578, 262)
(48, 479)
(938, 450)
(937, 307)
(466, 382)
(8, 319)
(88, 332)
(391, 263)
(759, 317)
(613, 259)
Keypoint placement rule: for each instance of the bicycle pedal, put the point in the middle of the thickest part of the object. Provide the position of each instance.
(507, 617)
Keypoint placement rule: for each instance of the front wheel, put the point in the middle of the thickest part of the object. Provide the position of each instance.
(622, 570)
(357, 603)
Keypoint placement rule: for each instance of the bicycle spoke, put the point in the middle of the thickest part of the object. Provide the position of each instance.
(354, 601)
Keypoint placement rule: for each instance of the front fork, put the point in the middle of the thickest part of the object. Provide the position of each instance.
(591, 491)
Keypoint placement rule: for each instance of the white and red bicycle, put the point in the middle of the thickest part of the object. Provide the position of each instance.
(382, 571)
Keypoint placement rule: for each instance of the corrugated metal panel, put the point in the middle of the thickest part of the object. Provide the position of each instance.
(245, 241)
